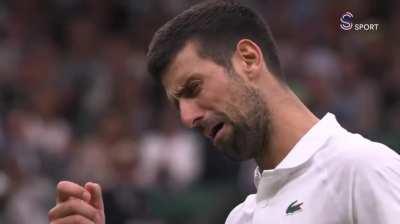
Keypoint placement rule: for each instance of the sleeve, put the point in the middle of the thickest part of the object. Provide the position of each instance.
(376, 188)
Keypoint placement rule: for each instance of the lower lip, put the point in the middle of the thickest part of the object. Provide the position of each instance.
(219, 134)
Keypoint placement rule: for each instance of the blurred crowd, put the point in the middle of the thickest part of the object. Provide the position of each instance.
(76, 102)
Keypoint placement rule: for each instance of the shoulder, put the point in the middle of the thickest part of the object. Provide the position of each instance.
(372, 172)
(243, 211)
(360, 157)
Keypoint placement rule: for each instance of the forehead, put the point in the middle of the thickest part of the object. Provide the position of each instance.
(186, 64)
(181, 65)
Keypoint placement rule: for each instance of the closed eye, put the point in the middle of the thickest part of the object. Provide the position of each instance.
(193, 89)
(190, 90)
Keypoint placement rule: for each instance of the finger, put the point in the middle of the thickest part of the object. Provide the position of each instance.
(73, 219)
(96, 195)
(67, 189)
(73, 207)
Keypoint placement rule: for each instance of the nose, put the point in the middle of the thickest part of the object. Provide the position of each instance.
(190, 112)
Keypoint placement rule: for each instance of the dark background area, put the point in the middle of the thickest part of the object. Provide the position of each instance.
(76, 103)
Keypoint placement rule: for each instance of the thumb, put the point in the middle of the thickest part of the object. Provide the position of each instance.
(96, 199)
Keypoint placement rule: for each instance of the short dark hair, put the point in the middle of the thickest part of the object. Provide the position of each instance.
(216, 26)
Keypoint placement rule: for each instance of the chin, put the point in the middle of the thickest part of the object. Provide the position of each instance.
(241, 148)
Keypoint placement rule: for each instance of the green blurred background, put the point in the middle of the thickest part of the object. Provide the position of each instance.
(76, 103)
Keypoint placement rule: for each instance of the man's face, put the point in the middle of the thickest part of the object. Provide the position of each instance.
(219, 103)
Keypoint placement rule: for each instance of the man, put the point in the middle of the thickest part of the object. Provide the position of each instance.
(218, 64)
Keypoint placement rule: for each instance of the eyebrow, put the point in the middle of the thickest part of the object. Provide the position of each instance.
(180, 90)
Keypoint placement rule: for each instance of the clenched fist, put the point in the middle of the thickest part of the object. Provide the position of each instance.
(77, 204)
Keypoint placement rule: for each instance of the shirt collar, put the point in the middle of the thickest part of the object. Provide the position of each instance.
(305, 148)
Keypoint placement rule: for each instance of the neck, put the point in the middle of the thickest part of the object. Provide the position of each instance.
(289, 120)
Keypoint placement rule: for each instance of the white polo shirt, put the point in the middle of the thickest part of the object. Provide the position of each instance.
(331, 176)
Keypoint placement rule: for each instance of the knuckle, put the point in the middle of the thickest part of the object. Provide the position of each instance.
(93, 214)
(61, 185)
(77, 219)
(69, 205)
(52, 213)
(97, 217)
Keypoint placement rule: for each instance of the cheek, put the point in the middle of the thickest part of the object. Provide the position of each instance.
(216, 89)
(224, 105)
(213, 98)
(236, 106)
(224, 97)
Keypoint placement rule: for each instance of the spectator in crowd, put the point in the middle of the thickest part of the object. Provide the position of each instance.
(75, 97)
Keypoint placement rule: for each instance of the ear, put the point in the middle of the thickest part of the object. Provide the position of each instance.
(248, 59)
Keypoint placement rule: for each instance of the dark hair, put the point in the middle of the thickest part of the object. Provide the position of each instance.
(216, 26)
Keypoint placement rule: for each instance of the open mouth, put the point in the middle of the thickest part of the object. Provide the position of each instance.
(214, 131)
